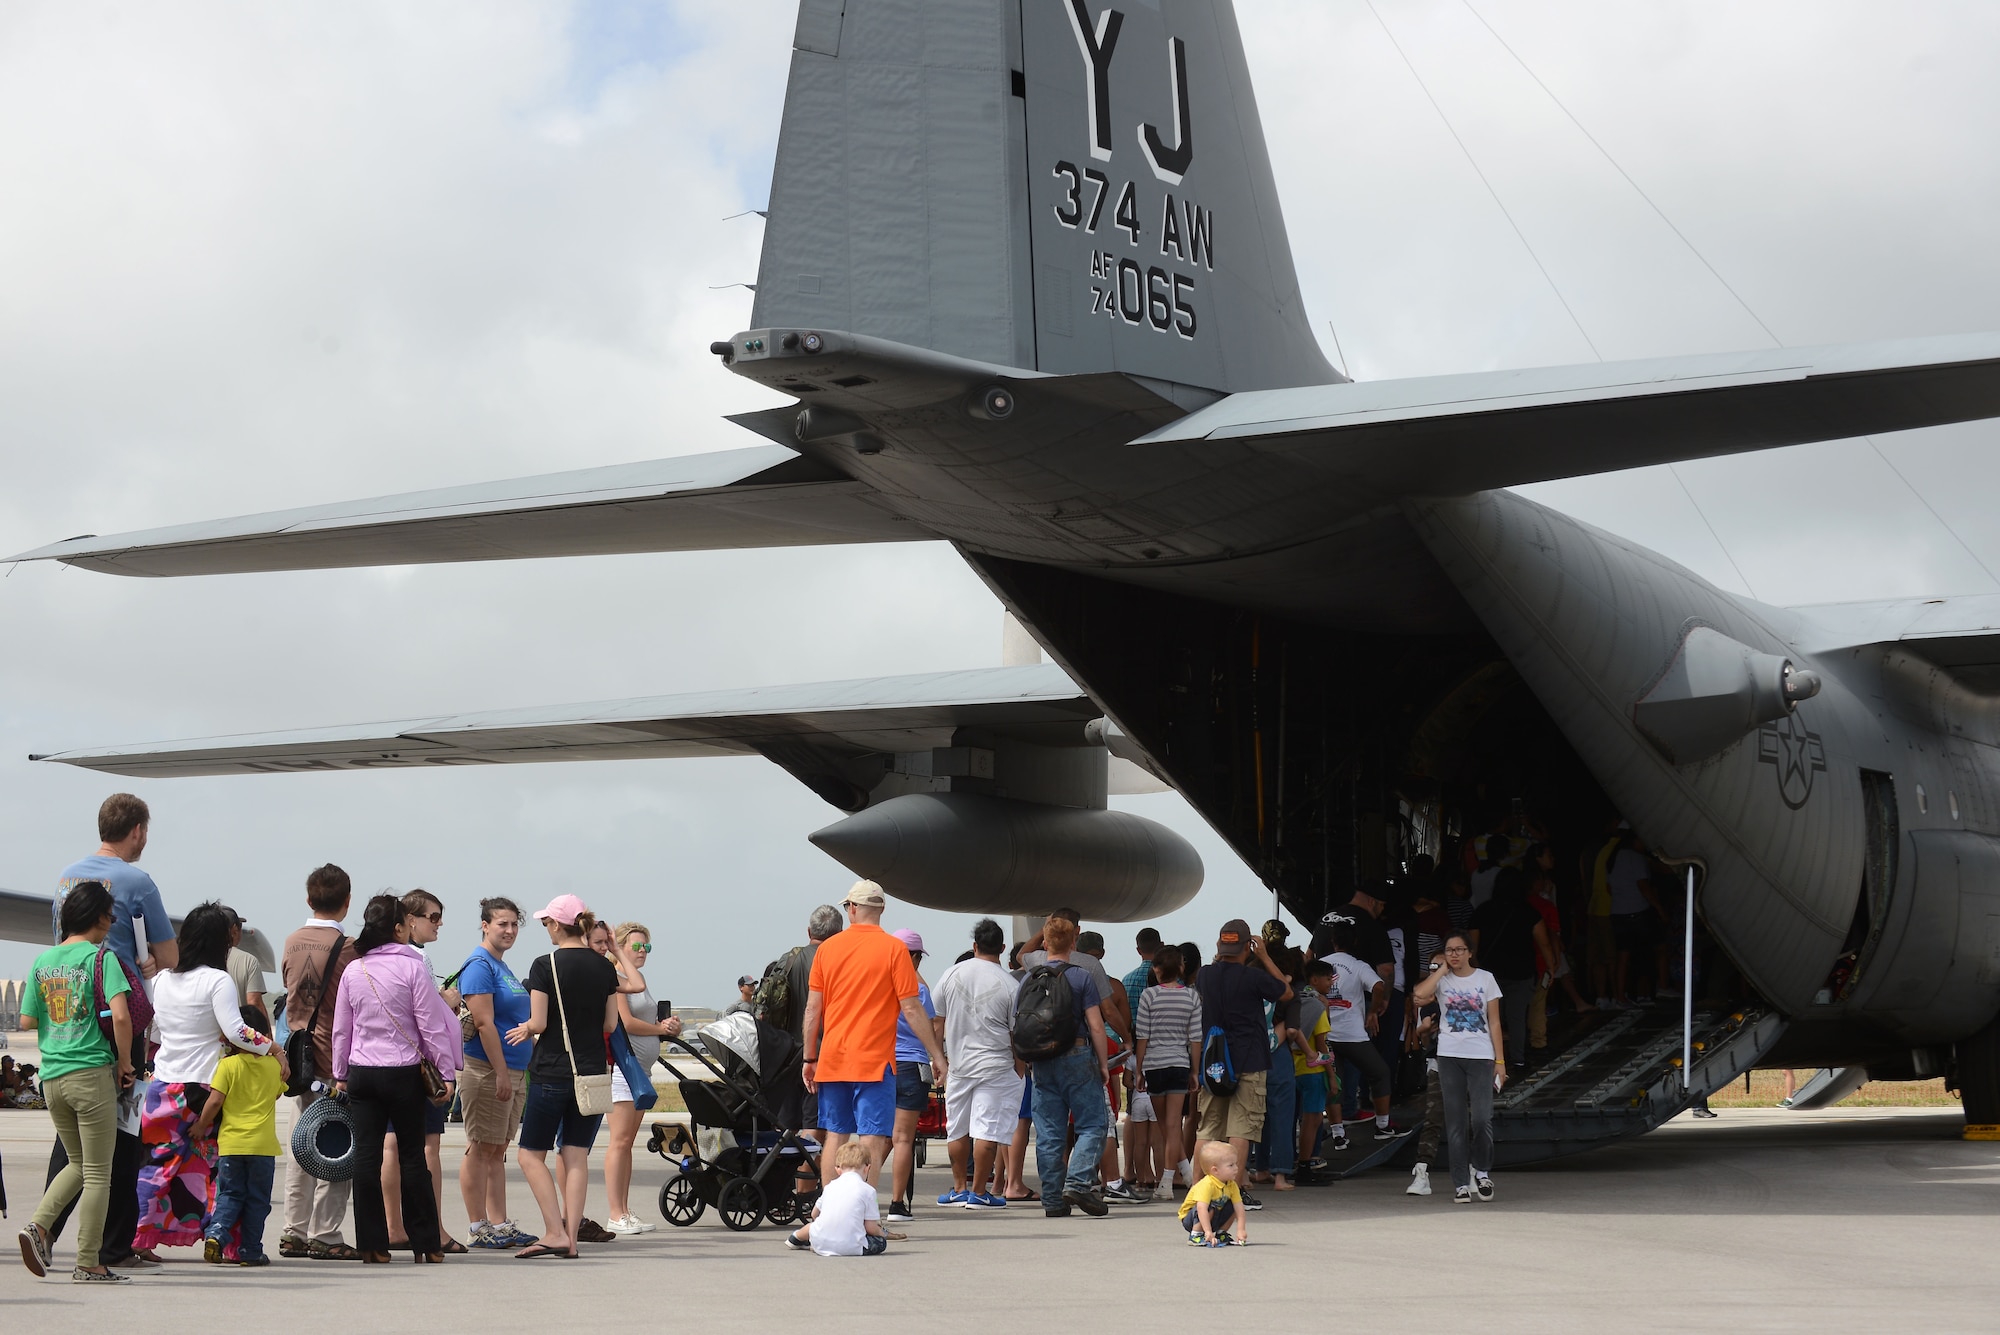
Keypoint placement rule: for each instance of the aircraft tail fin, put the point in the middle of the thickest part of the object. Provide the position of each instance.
(1068, 186)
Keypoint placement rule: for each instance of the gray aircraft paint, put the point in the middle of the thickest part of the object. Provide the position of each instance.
(924, 239)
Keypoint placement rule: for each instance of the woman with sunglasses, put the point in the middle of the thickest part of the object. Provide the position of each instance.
(423, 917)
(632, 944)
(1468, 1076)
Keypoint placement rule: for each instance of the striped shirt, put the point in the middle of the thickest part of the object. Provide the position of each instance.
(1169, 1019)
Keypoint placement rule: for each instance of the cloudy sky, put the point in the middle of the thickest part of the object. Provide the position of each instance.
(261, 256)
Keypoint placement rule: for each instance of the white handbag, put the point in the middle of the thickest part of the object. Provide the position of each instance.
(593, 1092)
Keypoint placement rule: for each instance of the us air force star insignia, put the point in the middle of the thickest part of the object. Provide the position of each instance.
(1796, 754)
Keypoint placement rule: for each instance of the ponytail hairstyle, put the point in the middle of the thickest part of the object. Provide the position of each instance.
(379, 922)
(580, 930)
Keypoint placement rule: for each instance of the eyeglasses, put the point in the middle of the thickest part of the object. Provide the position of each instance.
(1458, 950)
(641, 948)
(432, 918)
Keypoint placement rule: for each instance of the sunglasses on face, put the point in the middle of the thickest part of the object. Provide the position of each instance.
(641, 947)
(432, 918)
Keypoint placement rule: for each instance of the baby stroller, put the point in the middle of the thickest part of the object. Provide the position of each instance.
(756, 1174)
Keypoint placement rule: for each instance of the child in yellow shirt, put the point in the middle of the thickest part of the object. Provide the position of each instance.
(244, 1097)
(1214, 1205)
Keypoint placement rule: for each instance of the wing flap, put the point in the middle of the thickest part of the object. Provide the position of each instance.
(1453, 435)
(1960, 635)
(766, 496)
(852, 717)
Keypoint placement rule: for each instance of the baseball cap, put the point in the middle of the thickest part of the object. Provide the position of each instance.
(565, 909)
(746, 981)
(909, 938)
(865, 893)
(1090, 941)
(1234, 938)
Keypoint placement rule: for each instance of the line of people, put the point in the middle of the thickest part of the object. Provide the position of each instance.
(162, 1070)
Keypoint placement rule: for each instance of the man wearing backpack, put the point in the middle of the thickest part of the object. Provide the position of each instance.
(780, 1000)
(1236, 1054)
(1059, 1028)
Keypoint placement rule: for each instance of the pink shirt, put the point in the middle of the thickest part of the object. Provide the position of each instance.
(364, 1034)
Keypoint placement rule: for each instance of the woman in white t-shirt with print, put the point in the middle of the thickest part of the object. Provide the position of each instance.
(1468, 1001)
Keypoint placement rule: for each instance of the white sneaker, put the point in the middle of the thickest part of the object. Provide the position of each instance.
(645, 1225)
(1420, 1181)
(625, 1224)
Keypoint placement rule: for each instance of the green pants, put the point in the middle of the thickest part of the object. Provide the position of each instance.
(84, 1106)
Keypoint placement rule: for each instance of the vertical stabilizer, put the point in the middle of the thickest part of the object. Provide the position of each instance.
(1067, 185)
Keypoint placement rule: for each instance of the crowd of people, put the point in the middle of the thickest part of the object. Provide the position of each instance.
(1202, 1076)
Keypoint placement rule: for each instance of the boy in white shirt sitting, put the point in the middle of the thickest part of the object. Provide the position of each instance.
(846, 1222)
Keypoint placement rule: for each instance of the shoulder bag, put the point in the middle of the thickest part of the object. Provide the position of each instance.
(435, 1089)
(593, 1092)
(299, 1043)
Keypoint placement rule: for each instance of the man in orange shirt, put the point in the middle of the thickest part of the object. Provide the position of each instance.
(861, 979)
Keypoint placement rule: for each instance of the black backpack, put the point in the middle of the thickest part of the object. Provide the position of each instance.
(1218, 1072)
(1045, 1018)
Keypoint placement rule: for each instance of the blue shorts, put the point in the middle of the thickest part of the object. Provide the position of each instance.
(551, 1112)
(1312, 1092)
(1028, 1097)
(858, 1107)
(913, 1092)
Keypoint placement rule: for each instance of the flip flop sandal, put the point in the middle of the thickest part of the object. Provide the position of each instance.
(540, 1253)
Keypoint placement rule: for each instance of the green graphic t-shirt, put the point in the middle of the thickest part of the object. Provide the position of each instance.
(61, 995)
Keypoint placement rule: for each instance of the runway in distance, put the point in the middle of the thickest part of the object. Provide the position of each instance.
(1027, 286)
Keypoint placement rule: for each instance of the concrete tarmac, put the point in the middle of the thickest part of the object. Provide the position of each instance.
(1851, 1219)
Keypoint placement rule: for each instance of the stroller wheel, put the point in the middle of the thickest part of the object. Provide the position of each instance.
(923, 1154)
(783, 1209)
(680, 1203)
(741, 1204)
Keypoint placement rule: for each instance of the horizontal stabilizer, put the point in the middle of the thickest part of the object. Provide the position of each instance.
(878, 715)
(766, 496)
(1455, 435)
(1960, 635)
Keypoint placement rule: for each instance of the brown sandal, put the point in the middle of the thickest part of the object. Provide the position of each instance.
(452, 1247)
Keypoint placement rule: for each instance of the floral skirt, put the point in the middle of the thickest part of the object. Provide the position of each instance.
(177, 1181)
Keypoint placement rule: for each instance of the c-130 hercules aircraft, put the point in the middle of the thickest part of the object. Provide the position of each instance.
(1026, 282)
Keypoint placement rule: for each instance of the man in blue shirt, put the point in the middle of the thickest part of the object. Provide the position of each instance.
(122, 823)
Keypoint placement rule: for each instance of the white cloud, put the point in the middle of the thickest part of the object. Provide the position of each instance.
(260, 257)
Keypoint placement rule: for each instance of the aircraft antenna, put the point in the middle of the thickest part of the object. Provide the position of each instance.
(1605, 153)
(1714, 273)
(1336, 349)
(1481, 173)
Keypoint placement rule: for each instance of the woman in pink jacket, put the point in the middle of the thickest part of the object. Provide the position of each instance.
(387, 1018)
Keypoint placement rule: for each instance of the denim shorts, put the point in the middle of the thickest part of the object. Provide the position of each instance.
(1312, 1092)
(853, 1107)
(551, 1109)
(913, 1092)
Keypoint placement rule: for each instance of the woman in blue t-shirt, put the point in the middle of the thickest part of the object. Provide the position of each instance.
(493, 1089)
(913, 1089)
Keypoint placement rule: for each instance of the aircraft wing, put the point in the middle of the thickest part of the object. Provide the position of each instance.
(1960, 635)
(765, 496)
(1454, 435)
(31, 918)
(808, 727)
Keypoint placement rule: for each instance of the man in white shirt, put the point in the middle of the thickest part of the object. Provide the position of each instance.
(982, 1100)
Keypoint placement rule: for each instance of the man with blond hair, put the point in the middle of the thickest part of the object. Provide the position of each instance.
(861, 979)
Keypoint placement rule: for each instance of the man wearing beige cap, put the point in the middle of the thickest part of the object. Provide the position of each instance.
(1233, 990)
(862, 979)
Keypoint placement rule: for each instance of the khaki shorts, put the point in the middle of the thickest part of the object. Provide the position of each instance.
(1239, 1117)
(488, 1121)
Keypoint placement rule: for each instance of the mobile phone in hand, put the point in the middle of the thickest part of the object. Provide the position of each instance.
(666, 1012)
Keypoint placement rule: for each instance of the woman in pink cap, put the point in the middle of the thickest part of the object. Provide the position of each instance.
(571, 993)
(913, 1088)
